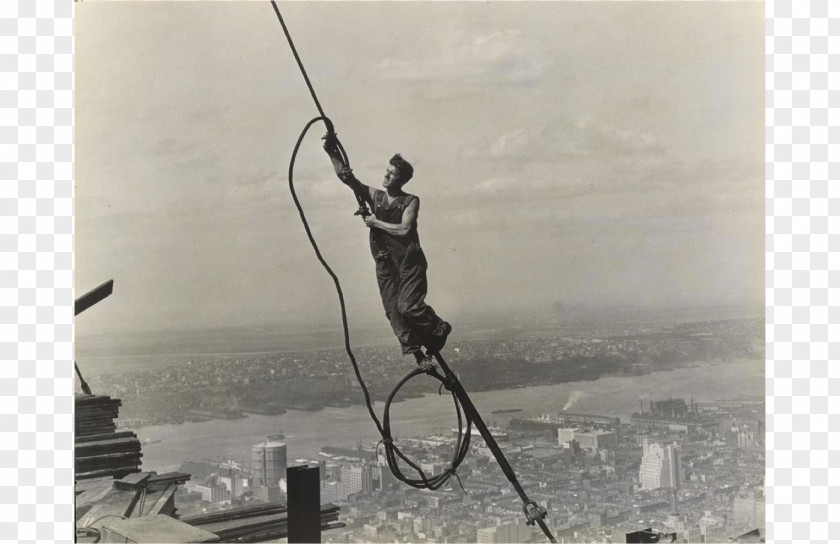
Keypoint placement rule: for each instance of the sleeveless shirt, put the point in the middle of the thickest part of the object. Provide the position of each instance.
(381, 242)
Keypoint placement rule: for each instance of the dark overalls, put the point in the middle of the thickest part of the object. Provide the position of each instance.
(401, 274)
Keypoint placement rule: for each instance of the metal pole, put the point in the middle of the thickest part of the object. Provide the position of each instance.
(304, 504)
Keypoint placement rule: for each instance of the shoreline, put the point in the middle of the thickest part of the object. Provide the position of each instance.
(318, 406)
(306, 432)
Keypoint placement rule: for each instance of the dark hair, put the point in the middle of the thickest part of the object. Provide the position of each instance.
(405, 169)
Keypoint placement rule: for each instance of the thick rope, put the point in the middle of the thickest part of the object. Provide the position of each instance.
(448, 380)
(300, 65)
(392, 452)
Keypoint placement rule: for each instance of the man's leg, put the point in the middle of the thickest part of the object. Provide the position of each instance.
(411, 305)
(389, 291)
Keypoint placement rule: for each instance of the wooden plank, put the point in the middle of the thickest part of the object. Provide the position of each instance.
(135, 479)
(163, 499)
(116, 443)
(116, 502)
(112, 472)
(85, 400)
(171, 476)
(105, 436)
(108, 457)
(95, 295)
(103, 450)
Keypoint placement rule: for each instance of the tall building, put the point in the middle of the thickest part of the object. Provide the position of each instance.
(660, 466)
(233, 483)
(356, 479)
(383, 479)
(565, 435)
(268, 463)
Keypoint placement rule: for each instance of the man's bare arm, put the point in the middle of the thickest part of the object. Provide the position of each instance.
(402, 228)
(345, 174)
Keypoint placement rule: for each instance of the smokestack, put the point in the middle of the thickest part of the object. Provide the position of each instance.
(641, 406)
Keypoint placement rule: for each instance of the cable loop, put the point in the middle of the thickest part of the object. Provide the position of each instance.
(448, 380)
(459, 480)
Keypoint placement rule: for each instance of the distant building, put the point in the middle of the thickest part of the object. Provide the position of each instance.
(563, 419)
(749, 510)
(383, 479)
(744, 433)
(423, 524)
(370, 531)
(671, 408)
(589, 440)
(211, 492)
(690, 535)
(234, 483)
(660, 467)
(360, 455)
(690, 425)
(506, 532)
(486, 535)
(198, 470)
(568, 417)
(607, 456)
(268, 464)
(268, 493)
(331, 471)
(430, 468)
(671, 415)
(357, 479)
(333, 492)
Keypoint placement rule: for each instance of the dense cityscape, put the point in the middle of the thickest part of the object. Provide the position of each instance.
(694, 469)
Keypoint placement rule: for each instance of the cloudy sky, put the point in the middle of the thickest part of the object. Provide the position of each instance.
(565, 153)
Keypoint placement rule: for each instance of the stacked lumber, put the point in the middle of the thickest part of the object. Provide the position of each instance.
(258, 523)
(96, 414)
(100, 451)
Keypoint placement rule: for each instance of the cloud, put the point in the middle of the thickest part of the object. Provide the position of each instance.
(503, 56)
(581, 138)
(540, 188)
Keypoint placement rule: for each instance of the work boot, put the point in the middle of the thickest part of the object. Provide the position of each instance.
(426, 363)
(436, 343)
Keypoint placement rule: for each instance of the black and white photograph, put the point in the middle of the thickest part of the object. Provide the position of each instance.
(419, 272)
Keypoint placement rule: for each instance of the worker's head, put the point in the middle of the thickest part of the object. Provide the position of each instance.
(399, 172)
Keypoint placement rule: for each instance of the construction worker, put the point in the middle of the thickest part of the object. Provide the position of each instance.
(400, 262)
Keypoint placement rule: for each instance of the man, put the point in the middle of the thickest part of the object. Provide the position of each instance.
(400, 263)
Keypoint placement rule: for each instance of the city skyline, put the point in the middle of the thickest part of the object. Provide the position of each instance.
(577, 416)
(622, 164)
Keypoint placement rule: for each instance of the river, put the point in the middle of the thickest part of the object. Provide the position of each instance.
(307, 432)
